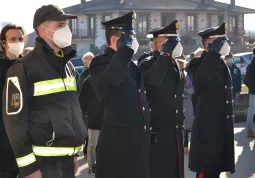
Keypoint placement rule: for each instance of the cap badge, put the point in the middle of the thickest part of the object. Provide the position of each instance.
(177, 26)
(134, 16)
(59, 9)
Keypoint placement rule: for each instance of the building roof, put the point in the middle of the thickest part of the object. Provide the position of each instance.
(160, 5)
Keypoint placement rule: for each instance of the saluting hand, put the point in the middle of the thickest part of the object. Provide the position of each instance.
(125, 39)
(37, 174)
(217, 44)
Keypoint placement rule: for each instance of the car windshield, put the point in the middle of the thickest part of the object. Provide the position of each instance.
(77, 62)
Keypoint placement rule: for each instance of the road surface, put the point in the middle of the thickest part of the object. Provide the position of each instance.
(244, 151)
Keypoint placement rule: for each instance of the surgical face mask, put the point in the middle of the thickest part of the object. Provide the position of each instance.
(62, 37)
(135, 45)
(177, 50)
(230, 61)
(16, 48)
(225, 49)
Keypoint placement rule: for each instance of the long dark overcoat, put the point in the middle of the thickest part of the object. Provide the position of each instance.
(212, 139)
(124, 141)
(164, 85)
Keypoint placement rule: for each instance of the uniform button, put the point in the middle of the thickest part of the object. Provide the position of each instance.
(176, 111)
(143, 108)
(227, 116)
(174, 96)
(231, 87)
(183, 110)
(139, 91)
(182, 95)
(233, 101)
(226, 87)
(145, 92)
(233, 116)
(150, 110)
(227, 101)
(177, 126)
(145, 127)
(151, 128)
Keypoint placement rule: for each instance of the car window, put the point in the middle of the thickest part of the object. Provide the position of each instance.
(237, 60)
(77, 62)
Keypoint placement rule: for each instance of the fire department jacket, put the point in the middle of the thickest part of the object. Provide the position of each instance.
(41, 110)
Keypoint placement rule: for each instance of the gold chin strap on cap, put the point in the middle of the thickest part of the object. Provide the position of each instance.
(60, 53)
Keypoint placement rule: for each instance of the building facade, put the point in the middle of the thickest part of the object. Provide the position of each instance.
(194, 15)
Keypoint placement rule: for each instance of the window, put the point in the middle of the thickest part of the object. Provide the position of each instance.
(191, 23)
(142, 24)
(91, 26)
(232, 24)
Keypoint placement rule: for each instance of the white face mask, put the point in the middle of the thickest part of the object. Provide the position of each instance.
(230, 61)
(135, 45)
(225, 49)
(177, 50)
(62, 37)
(16, 48)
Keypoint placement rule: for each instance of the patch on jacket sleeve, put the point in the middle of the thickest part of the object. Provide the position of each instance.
(14, 98)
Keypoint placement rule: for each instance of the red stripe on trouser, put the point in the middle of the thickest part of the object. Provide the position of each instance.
(178, 149)
(201, 175)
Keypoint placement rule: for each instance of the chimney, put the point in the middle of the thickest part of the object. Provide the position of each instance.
(233, 3)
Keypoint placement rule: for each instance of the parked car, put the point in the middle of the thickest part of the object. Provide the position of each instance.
(78, 64)
(242, 60)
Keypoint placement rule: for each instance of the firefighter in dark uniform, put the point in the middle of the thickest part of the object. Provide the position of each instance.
(124, 141)
(212, 139)
(41, 110)
(164, 83)
(152, 48)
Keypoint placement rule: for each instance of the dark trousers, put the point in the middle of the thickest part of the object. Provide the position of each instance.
(13, 174)
(61, 168)
(186, 138)
(208, 175)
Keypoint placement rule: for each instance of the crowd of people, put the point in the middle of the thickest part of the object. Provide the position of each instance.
(134, 119)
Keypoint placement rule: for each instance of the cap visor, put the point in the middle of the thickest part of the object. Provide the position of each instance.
(64, 17)
(149, 36)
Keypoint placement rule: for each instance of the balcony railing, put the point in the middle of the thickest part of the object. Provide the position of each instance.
(83, 34)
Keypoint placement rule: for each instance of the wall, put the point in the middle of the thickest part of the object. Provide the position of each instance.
(202, 21)
(154, 20)
(82, 25)
(100, 32)
(181, 17)
(214, 20)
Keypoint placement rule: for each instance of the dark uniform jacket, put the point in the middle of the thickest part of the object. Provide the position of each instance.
(212, 139)
(124, 141)
(7, 158)
(90, 105)
(164, 85)
(41, 108)
(236, 79)
(81, 78)
(142, 57)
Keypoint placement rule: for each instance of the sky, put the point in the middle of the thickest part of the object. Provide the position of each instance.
(21, 12)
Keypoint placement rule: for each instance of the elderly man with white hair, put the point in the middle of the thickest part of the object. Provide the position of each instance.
(86, 59)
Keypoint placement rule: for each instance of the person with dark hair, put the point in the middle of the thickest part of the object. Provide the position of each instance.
(124, 141)
(42, 115)
(12, 39)
(212, 138)
(164, 84)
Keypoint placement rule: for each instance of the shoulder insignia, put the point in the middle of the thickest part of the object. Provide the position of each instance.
(14, 98)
